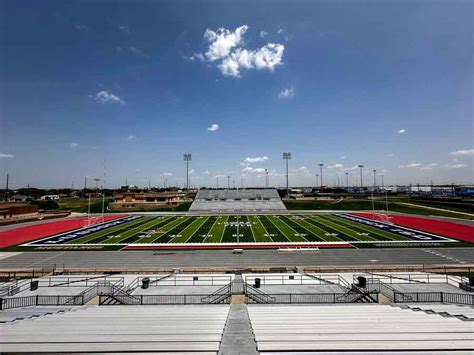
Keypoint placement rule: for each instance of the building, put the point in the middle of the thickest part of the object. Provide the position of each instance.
(12, 210)
(146, 201)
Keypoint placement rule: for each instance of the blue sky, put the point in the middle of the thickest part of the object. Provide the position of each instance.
(138, 83)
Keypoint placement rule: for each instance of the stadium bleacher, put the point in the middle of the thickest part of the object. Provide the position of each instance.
(237, 200)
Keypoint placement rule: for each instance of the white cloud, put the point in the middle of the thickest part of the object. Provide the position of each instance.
(191, 172)
(6, 156)
(280, 30)
(401, 131)
(166, 174)
(105, 97)
(429, 166)
(226, 50)
(343, 157)
(213, 127)
(131, 137)
(463, 152)
(455, 166)
(124, 29)
(81, 27)
(250, 160)
(249, 169)
(73, 145)
(263, 34)
(287, 93)
(206, 172)
(412, 165)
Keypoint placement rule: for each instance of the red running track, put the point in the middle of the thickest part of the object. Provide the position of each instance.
(445, 228)
(29, 233)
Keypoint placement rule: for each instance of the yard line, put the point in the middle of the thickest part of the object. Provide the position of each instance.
(345, 230)
(168, 227)
(367, 229)
(299, 228)
(321, 233)
(203, 231)
(190, 230)
(290, 233)
(217, 230)
(162, 222)
(259, 232)
(273, 232)
(329, 231)
(246, 230)
(101, 236)
(172, 233)
(132, 232)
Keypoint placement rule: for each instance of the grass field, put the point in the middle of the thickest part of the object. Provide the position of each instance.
(175, 230)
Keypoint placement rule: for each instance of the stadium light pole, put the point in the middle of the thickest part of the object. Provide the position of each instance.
(317, 180)
(321, 173)
(228, 182)
(266, 178)
(375, 181)
(347, 180)
(286, 157)
(187, 158)
(361, 185)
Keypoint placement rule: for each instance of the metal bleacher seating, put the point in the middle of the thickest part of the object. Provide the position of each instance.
(362, 328)
(237, 200)
(115, 329)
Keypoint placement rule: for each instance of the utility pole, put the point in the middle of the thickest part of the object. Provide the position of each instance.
(286, 157)
(361, 184)
(187, 159)
(6, 187)
(321, 173)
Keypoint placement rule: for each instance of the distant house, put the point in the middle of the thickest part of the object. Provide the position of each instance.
(50, 197)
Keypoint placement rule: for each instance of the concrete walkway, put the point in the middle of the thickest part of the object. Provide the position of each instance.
(238, 337)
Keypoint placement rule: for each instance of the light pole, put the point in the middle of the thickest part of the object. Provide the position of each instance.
(375, 181)
(228, 182)
(217, 182)
(266, 178)
(317, 180)
(287, 156)
(187, 159)
(361, 184)
(321, 173)
(347, 180)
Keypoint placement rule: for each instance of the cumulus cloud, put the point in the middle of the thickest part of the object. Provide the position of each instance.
(455, 166)
(401, 131)
(226, 50)
(124, 29)
(249, 169)
(213, 127)
(166, 174)
(412, 165)
(73, 145)
(429, 166)
(263, 34)
(463, 152)
(131, 137)
(6, 156)
(287, 93)
(81, 27)
(250, 160)
(105, 97)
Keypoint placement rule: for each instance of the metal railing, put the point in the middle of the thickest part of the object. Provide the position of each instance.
(257, 296)
(297, 279)
(162, 299)
(434, 297)
(219, 296)
(308, 298)
(185, 280)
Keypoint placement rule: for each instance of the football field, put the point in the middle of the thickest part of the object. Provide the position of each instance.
(135, 231)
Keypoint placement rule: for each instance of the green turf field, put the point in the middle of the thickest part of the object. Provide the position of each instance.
(294, 228)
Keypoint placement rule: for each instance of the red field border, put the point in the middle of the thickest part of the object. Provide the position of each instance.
(26, 234)
(238, 246)
(445, 228)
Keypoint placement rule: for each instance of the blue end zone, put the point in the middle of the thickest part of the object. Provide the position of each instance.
(79, 233)
(401, 231)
